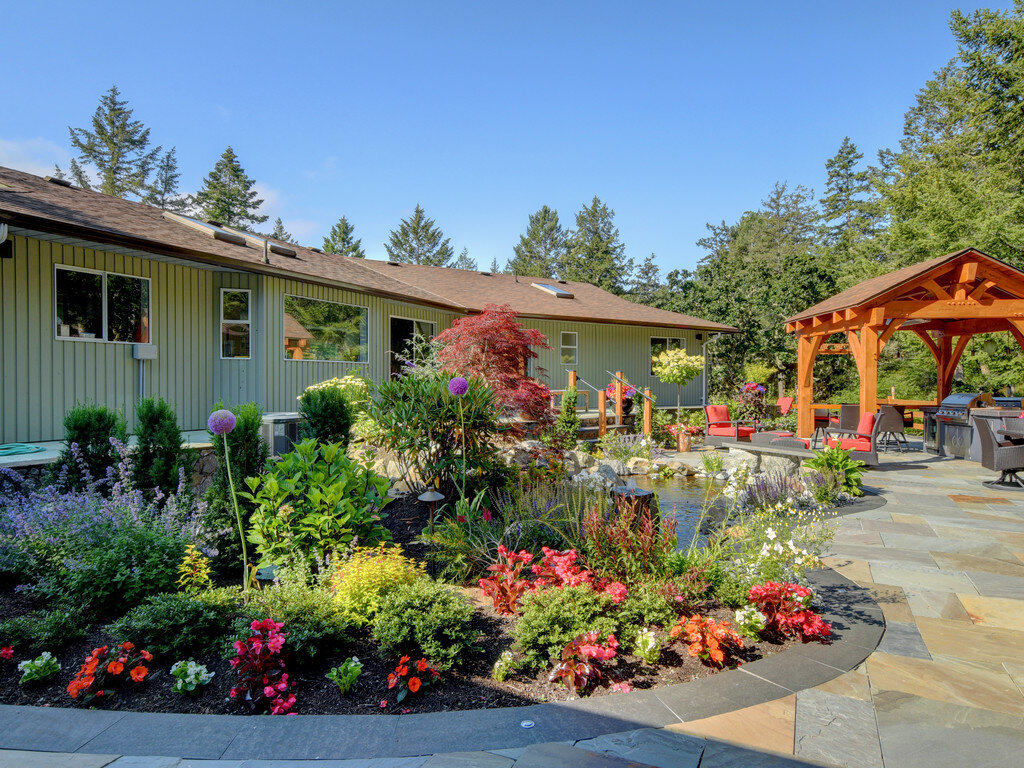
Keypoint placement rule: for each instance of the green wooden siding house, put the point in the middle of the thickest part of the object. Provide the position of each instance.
(104, 300)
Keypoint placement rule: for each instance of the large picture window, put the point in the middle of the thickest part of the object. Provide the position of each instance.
(234, 324)
(101, 306)
(324, 330)
(659, 345)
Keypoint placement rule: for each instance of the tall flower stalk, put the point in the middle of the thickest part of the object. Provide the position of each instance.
(221, 423)
(458, 386)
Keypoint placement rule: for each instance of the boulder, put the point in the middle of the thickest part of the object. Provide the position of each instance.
(680, 467)
(584, 459)
(638, 465)
(738, 457)
(607, 472)
(787, 465)
(594, 480)
(616, 466)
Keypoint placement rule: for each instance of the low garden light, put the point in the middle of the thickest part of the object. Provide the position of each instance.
(431, 497)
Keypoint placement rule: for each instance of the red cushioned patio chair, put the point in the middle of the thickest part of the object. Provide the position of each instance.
(861, 442)
(785, 404)
(722, 430)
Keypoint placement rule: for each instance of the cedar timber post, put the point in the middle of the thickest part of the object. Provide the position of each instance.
(648, 412)
(807, 350)
(618, 398)
(572, 383)
(602, 414)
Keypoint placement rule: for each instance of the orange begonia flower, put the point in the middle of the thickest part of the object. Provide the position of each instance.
(115, 667)
(139, 673)
(414, 684)
(146, 655)
(421, 665)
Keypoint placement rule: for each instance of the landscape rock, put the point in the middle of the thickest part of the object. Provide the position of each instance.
(583, 459)
(638, 465)
(616, 466)
(738, 457)
(681, 467)
(787, 465)
(594, 480)
(607, 472)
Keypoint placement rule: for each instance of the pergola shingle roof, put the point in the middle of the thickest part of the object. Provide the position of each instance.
(34, 204)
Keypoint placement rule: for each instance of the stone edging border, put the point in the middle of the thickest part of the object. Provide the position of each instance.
(857, 623)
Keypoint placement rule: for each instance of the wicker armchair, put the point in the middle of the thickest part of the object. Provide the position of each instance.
(1007, 458)
(862, 442)
(891, 427)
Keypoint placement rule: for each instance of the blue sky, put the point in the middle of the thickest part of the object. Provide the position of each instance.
(675, 114)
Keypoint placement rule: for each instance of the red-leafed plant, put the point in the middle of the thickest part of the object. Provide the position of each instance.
(786, 608)
(712, 641)
(104, 670)
(580, 667)
(505, 587)
(262, 679)
(496, 347)
(559, 569)
(630, 542)
(410, 679)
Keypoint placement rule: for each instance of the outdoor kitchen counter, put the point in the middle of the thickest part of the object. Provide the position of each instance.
(997, 415)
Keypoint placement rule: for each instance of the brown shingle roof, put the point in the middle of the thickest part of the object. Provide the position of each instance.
(875, 287)
(33, 203)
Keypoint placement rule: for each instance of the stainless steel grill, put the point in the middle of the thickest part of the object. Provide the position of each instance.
(947, 428)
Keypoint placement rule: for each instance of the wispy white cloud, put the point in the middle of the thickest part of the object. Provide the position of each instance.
(326, 170)
(305, 231)
(36, 156)
(271, 199)
(275, 203)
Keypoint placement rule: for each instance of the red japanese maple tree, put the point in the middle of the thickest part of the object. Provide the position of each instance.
(495, 346)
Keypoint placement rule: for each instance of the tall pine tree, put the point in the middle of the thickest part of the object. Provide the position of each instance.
(341, 240)
(646, 286)
(463, 261)
(419, 241)
(280, 233)
(228, 196)
(543, 246)
(117, 147)
(595, 254)
(845, 206)
(162, 191)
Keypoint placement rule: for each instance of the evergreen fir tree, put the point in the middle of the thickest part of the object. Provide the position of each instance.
(495, 269)
(543, 246)
(462, 261)
(341, 241)
(117, 147)
(595, 254)
(57, 172)
(162, 192)
(280, 233)
(228, 196)
(646, 283)
(418, 241)
(845, 205)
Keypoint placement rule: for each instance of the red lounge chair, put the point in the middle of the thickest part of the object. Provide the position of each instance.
(784, 404)
(722, 430)
(862, 442)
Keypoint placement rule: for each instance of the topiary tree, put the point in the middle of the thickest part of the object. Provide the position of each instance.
(675, 366)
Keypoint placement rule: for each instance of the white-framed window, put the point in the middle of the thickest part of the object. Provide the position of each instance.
(315, 329)
(235, 324)
(569, 344)
(92, 305)
(660, 344)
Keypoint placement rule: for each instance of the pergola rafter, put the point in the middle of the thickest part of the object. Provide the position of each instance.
(945, 302)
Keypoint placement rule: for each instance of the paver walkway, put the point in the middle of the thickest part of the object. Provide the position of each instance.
(944, 559)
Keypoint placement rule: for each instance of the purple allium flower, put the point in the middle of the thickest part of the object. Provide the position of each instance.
(221, 422)
(458, 386)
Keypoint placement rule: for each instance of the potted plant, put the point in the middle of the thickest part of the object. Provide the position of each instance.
(628, 393)
(684, 435)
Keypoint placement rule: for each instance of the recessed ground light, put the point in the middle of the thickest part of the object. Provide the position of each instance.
(558, 292)
(58, 182)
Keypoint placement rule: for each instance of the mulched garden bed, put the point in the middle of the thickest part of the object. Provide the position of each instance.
(468, 687)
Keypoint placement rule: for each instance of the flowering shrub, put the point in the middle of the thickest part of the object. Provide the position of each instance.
(411, 679)
(189, 677)
(345, 674)
(675, 366)
(628, 390)
(103, 670)
(506, 587)
(752, 402)
(749, 621)
(786, 608)
(693, 430)
(504, 666)
(259, 661)
(619, 447)
(714, 642)
(559, 570)
(647, 647)
(580, 665)
(194, 571)
(41, 668)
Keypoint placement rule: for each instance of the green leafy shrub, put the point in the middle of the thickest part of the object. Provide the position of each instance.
(326, 414)
(360, 583)
(171, 624)
(565, 431)
(90, 428)
(837, 462)
(646, 605)
(52, 629)
(552, 618)
(312, 502)
(159, 457)
(620, 448)
(435, 435)
(426, 618)
(249, 454)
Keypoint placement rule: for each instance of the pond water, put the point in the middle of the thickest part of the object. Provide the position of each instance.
(685, 499)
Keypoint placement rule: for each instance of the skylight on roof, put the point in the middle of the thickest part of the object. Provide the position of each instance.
(560, 293)
(209, 229)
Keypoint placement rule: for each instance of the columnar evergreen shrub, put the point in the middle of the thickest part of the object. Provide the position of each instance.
(159, 459)
(326, 414)
(88, 430)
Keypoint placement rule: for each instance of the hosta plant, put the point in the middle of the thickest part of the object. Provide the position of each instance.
(713, 642)
(505, 587)
(262, 677)
(345, 674)
(580, 664)
(41, 668)
(838, 463)
(647, 647)
(105, 669)
(189, 677)
(411, 678)
(787, 612)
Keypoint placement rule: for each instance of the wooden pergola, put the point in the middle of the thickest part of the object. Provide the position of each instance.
(944, 301)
